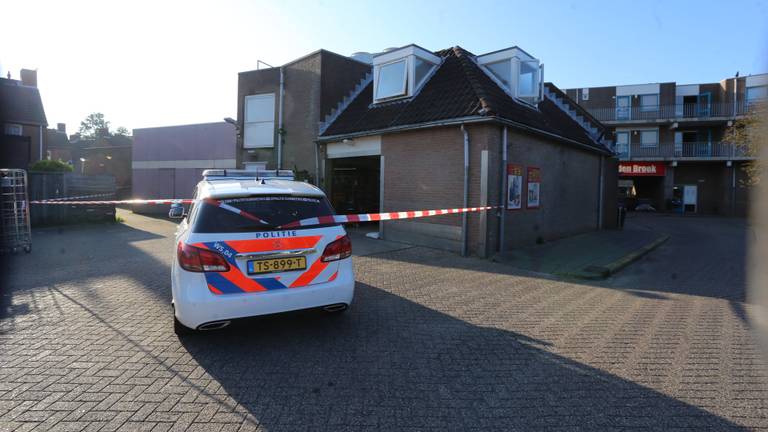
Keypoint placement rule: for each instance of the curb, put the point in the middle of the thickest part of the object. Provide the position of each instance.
(602, 272)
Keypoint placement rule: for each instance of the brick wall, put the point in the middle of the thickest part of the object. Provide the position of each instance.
(424, 170)
(569, 191)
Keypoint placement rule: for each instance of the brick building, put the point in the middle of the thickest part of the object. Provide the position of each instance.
(430, 130)
(168, 161)
(279, 109)
(672, 143)
(23, 121)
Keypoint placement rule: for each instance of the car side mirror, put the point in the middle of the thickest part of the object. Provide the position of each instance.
(176, 211)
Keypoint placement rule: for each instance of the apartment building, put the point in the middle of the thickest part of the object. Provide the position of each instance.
(672, 141)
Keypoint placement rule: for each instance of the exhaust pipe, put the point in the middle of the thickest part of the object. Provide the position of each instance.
(335, 307)
(215, 325)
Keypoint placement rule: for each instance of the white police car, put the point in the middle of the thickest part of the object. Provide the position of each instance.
(236, 258)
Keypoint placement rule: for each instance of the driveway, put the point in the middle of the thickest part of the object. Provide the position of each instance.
(433, 342)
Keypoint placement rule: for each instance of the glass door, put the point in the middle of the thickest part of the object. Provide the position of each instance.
(704, 100)
(622, 144)
(623, 106)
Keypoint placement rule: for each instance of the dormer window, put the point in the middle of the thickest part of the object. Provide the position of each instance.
(392, 80)
(400, 72)
(516, 71)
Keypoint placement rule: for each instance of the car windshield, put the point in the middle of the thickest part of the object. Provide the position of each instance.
(271, 212)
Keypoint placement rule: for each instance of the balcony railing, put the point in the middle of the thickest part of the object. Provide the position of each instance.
(665, 112)
(686, 150)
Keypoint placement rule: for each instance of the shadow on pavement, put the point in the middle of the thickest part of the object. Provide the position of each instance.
(392, 364)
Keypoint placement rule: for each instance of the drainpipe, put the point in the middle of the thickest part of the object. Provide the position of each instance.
(280, 121)
(464, 232)
(600, 194)
(41, 142)
(735, 95)
(503, 188)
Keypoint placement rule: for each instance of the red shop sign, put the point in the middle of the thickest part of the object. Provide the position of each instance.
(641, 169)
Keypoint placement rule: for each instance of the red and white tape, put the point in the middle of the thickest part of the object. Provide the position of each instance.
(133, 201)
(372, 217)
(52, 200)
(322, 220)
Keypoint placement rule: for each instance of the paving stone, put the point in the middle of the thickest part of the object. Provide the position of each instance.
(433, 342)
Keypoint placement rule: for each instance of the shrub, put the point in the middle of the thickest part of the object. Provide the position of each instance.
(50, 166)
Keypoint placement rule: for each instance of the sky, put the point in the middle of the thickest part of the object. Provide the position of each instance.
(166, 62)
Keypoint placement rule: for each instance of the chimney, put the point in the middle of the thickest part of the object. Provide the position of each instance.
(29, 77)
(61, 127)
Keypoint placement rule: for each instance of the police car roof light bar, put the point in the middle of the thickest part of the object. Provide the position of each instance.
(214, 174)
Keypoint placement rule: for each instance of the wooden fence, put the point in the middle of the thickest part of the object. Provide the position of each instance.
(48, 185)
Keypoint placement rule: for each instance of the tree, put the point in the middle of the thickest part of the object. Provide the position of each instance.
(94, 126)
(748, 136)
(122, 131)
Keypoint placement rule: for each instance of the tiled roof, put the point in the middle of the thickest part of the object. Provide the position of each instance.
(20, 104)
(458, 89)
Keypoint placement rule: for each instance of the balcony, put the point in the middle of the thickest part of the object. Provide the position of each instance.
(714, 150)
(654, 113)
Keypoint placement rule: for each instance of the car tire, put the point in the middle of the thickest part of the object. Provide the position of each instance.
(180, 329)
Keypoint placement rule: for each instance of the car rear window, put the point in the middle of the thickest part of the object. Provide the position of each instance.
(274, 211)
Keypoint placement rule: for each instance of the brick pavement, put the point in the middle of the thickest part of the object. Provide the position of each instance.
(433, 342)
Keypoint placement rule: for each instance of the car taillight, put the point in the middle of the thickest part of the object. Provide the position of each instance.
(199, 260)
(338, 249)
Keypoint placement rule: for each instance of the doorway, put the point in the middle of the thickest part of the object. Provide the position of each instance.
(355, 184)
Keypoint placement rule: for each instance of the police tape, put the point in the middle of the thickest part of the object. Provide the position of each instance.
(72, 198)
(373, 217)
(321, 220)
(62, 201)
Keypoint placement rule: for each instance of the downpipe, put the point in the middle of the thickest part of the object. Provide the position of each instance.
(503, 189)
(464, 232)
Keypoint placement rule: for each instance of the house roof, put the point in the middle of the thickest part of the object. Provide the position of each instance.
(20, 103)
(459, 89)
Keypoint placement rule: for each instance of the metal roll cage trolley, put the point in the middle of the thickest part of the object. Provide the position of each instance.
(15, 233)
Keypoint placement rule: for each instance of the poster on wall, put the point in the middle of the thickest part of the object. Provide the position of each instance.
(514, 187)
(534, 187)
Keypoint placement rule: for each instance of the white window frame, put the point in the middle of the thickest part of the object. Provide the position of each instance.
(515, 57)
(535, 87)
(246, 144)
(649, 108)
(655, 143)
(404, 88)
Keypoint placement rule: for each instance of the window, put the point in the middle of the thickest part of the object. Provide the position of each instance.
(649, 138)
(756, 94)
(259, 121)
(527, 83)
(501, 70)
(391, 80)
(649, 102)
(421, 69)
(13, 129)
(273, 210)
(400, 72)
